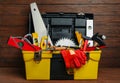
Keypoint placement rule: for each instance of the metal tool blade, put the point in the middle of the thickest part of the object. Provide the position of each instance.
(39, 25)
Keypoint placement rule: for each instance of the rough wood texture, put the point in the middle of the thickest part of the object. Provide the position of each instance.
(14, 21)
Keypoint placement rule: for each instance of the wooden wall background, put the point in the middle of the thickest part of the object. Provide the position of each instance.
(14, 21)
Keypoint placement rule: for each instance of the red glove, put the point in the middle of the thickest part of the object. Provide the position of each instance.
(74, 59)
(81, 56)
(66, 57)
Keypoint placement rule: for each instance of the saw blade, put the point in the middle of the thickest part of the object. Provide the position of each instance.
(39, 25)
(65, 42)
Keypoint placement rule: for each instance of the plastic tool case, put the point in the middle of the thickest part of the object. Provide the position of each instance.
(51, 65)
(65, 24)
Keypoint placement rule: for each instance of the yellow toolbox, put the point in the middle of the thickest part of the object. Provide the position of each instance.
(51, 66)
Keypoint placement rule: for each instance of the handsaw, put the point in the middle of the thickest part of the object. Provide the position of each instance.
(38, 23)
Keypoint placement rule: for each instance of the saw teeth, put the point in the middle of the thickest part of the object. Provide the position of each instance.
(65, 42)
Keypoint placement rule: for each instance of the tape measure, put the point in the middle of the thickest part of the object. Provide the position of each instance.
(35, 39)
(43, 43)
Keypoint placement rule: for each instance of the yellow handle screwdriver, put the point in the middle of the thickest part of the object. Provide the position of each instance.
(79, 38)
(35, 39)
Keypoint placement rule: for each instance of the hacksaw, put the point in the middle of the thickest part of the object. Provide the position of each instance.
(38, 23)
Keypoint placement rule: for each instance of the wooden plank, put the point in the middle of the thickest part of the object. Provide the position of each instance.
(109, 74)
(23, 20)
(109, 62)
(11, 57)
(107, 20)
(96, 9)
(20, 2)
(10, 53)
(112, 42)
(110, 31)
(14, 62)
(14, 10)
(17, 31)
(13, 31)
(112, 52)
(13, 20)
(107, 30)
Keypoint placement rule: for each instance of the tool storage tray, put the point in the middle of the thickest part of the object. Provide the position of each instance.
(52, 67)
(62, 25)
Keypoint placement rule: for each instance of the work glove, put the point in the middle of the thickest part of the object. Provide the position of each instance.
(73, 58)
